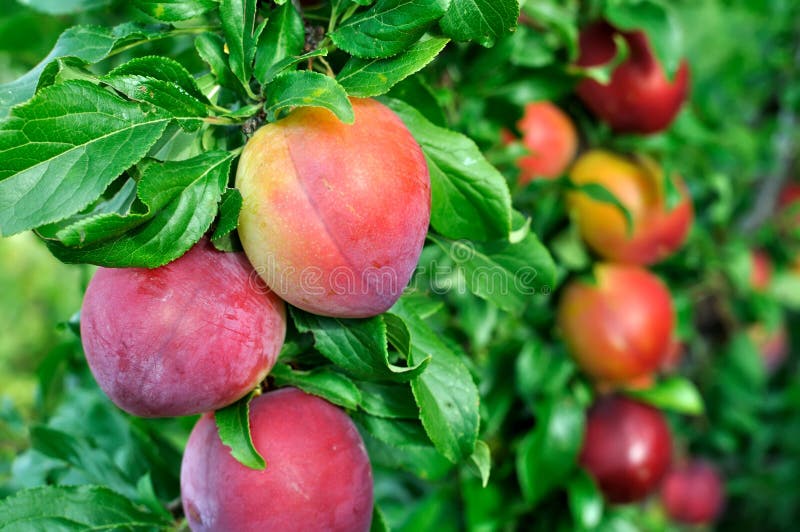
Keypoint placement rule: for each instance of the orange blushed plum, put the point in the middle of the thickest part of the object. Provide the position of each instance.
(627, 448)
(693, 493)
(639, 98)
(318, 475)
(334, 215)
(549, 134)
(619, 328)
(657, 231)
(189, 337)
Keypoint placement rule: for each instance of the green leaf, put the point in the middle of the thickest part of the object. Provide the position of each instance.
(506, 274)
(416, 92)
(393, 401)
(532, 48)
(401, 444)
(61, 150)
(470, 198)
(147, 497)
(600, 193)
(398, 334)
(238, 24)
(585, 501)
(307, 89)
(356, 345)
(558, 19)
(87, 43)
(481, 459)
(166, 95)
(324, 382)
(174, 10)
(445, 392)
(178, 203)
(210, 47)
(678, 394)
(233, 424)
(74, 508)
(658, 23)
(548, 454)
(379, 523)
(373, 77)
(161, 68)
(482, 21)
(290, 62)
(388, 27)
(95, 463)
(284, 36)
(65, 7)
(229, 209)
(538, 371)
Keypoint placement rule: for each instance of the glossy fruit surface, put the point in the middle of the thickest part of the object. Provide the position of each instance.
(658, 230)
(618, 327)
(693, 493)
(639, 98)
(550, 136)
(334, 216)
(627, 448)
(318, 475)
(192, 336)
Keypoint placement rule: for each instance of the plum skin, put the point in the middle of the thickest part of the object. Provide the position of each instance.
(658, 232)
(639, 98)
(334, 216)
(619, 329)
(693, 493)
(318, 475)
(192, 336)
(550, 136)
(627, 448)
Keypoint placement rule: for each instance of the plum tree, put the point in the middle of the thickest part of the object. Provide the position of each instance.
(657, 231)
(627, 448)
(334, 216)
(318, 475)
(639, 98)
(191, 336)
(550, 136)
(619, 327)
(693, 493)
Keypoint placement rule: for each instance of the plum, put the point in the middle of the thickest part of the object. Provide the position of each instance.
(318, 475)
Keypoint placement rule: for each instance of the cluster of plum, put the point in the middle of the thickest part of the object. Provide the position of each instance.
(197, 334)
(619, 322)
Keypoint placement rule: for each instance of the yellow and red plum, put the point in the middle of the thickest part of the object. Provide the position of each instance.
(318, 475)
(627, 448)
(619, 327)
(657, 231)
(334, 216)
(192, 336)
